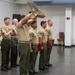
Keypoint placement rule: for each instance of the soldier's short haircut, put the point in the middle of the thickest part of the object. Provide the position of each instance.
(33, 22)
(6, 18)
(49, 20)
(30, 11)
(42, 22)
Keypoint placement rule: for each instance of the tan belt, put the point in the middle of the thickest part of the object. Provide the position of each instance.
(24, 42)
(35, 44)
(43, 43)
(50, 39)
(13, 36)
(6, 38)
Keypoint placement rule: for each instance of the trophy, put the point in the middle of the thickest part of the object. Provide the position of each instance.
(38, 12)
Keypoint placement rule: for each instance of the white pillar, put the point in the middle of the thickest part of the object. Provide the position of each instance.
(68, 25)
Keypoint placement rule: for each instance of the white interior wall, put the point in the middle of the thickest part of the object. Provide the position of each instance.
(56, 13)
(73, 27)
(11, 1)
(7, 9)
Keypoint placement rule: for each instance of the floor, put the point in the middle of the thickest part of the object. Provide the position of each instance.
(63, 60)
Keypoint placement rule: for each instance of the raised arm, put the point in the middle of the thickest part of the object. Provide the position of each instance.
(26, 18)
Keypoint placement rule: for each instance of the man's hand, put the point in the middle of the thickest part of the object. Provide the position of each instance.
(31, 51)
(6, 34)
(41, 47)
(33, 10)
(12, 28)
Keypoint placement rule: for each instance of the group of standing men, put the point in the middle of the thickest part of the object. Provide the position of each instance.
(9, 41)
(22, 37)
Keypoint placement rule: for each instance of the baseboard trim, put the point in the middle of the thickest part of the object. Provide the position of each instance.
(65, 46)
(73, 45)
(55, 44)
(68, 46)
